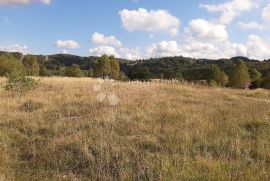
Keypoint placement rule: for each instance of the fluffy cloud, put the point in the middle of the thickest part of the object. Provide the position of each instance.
(67, 44)
(266, 13)
(150, 21)
(98, 51)
(163, 49)
(100, 39)
(15, 48)
(207, 31)
(6, 2)
(130, 54)
(225, 49)
(231, 9)
(251, 25)
(258, 48)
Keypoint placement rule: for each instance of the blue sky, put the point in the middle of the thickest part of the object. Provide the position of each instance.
(137, 28)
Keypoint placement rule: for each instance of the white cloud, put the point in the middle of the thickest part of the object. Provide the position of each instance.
(150, 21)
(163, 49)
(173, 31)
(130, 54)
(225, 49)
(258, 48)
(232, 9)
(65, 51)
(266, 13)
(255, 48)
(15, 48)
(99, 51)
(6, 2)
(206, 31)
(67, 44)
(100, 39)
(251, 25)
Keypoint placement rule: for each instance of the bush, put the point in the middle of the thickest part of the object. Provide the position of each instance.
(8, 64)
(18, 81)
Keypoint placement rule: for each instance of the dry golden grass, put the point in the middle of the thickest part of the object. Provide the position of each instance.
(157, 132)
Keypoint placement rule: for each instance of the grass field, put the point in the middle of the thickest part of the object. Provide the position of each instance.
(158, 131)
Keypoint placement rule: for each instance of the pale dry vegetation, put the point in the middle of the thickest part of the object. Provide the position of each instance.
(157, 132)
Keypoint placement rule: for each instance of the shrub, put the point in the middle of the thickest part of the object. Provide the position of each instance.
(74, 71)
(8, 64)
(19, 82)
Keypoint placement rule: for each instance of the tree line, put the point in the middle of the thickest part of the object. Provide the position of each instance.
(236, 74)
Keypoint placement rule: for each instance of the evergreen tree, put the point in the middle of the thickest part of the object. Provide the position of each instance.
(239, 77)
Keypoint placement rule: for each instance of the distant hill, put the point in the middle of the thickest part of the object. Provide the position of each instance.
(192, 69)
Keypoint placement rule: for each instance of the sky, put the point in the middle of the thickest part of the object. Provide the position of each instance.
(137, 29)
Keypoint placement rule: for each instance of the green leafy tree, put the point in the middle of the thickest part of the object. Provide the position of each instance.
(141, 73)
(255, 75)
(170, 74)
(239, 77)
(43, 71)
(8, 64)
(266, 80)
(215, 75)
(31, 65)
(115, 68)
(123, 76)
(224, 79)
(103, 67)
(74, 71)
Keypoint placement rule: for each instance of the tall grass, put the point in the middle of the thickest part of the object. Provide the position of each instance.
(158, 131)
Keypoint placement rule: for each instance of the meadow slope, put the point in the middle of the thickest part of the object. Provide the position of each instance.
(158, 131)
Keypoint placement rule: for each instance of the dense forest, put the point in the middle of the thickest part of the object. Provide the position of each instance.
(235, 72)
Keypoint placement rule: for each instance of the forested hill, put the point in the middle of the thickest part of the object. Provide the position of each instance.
(190, 68)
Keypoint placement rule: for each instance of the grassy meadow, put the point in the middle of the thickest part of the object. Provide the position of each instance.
(158, 131)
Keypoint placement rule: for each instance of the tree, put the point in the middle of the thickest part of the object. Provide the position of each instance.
(141, 73)
(218, 76)
(170, 74)
(43, 71)
(31, 65)
(215, 74)
(8, 64)
(266, 80)
(224, 79)
(115, 68)
(103, 67)
(107, 67)
(123, 76)
(74, 71)
(239, 77)
(255, 75)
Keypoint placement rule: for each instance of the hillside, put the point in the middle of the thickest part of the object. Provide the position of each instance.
(191, 69)
(60, 131)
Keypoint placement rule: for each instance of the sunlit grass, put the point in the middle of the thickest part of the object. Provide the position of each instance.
(157, 132)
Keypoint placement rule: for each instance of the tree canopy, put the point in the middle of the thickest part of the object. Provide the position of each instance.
(239, 77)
